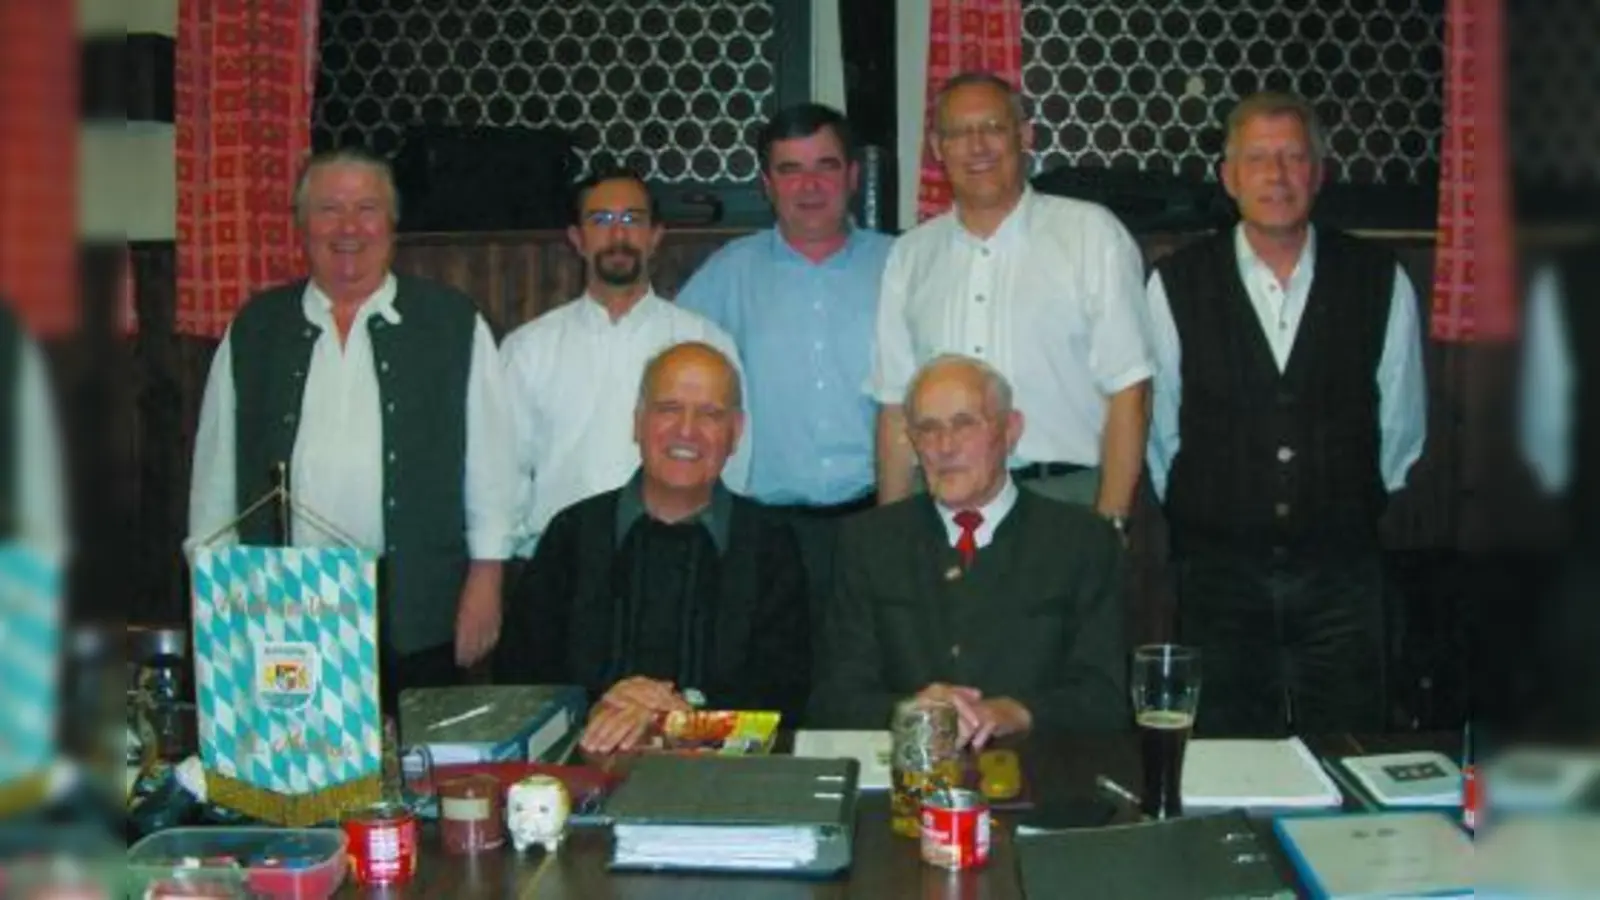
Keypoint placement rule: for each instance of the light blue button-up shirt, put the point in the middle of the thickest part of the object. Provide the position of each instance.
(804, 331)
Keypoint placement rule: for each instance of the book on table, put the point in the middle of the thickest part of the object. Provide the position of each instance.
(1414, 779)
(1379, 855)
(778, 814)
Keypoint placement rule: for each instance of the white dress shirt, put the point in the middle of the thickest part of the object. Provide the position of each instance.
(336, 470)
(41, 513)
(574, 381)
(1547, 385)
(1052, 300)
(994, 512)
(1402, 385)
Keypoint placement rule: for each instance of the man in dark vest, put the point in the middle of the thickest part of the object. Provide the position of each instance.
(1004, 603)
(1561, 442)
(383, 395)
(670, 591)
(1289, 402)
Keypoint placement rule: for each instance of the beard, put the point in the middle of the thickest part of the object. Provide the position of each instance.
(619, 265)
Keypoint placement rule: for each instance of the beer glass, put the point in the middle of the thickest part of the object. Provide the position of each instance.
(1166, 692)
(924, 756)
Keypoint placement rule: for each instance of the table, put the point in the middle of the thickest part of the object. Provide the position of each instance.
(886, 867)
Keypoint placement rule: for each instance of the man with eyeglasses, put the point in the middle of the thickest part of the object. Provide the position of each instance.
(1290, 402)
(1004, 603)
(800, 300)
(573, 373)
(1048, 290)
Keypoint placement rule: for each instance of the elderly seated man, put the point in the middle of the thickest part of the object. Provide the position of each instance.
(1004, 603)
(670, 589)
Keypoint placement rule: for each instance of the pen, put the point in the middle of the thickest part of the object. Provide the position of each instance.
(1118, 791)
(457, 720)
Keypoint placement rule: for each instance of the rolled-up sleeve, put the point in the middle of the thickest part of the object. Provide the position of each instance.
(1119, 352)
(490, 487)
(1167, 395)
(213, 501)
(893, 359)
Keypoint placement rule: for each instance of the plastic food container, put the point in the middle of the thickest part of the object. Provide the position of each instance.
(288, 863)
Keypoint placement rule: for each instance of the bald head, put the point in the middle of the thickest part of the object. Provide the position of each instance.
(695, 354)
(955, 367)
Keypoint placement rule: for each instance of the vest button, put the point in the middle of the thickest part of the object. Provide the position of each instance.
(955, 651)
(1285, 454)
(288, 418)
(1281, 510)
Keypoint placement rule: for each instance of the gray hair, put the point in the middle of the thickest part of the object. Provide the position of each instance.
(987, 79)
(1271, 104)
(996, 389)
(653, 368)
(344, 156)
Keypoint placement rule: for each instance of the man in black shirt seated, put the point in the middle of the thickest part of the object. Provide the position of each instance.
(670, 589)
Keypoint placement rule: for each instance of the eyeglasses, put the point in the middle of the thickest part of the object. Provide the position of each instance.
(988, 129)
(605, 218)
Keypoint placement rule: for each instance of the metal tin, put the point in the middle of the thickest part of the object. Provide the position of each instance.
(382, 844)
(955, 829)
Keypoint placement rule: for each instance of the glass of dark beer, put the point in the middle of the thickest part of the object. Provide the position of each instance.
(1166, 693)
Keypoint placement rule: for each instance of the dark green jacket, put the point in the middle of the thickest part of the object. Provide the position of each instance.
(1038, 617)
(423, 364)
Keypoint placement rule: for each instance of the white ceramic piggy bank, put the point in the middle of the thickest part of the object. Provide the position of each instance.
(536, 812)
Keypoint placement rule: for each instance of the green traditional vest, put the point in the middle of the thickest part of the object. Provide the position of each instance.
(423, 363)
(10, 372)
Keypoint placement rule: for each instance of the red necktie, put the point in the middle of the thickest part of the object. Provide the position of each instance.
(967, 542)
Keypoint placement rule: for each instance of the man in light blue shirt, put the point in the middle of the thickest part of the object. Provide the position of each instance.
(800, 300)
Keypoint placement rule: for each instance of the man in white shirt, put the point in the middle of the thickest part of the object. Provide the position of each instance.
(1045, 289)
(573, 373)
(1289, 402)
(382, 395)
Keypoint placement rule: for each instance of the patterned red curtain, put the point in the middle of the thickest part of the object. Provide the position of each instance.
(965, 36)
(1472, 285)
(246, 74)
(38, 163)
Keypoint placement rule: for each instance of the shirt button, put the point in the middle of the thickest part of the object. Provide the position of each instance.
(1285, 454)
(827, 463)
(978, 349)
(1281, 510)
(819, 345)
(978, 298)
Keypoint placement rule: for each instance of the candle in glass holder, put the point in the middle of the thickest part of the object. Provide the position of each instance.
(471, 814)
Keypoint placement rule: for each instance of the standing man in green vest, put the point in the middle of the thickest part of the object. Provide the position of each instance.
(383, 395)
(1289, 403)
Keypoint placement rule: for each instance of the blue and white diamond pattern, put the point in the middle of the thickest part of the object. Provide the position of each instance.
(313, 603)
(30, 637)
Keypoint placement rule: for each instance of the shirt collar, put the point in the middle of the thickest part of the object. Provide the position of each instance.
(993, 512)
(715, 517)
(1012, 230)
(782, 249)
(1250, 262)
(595, 312)
(318, 308)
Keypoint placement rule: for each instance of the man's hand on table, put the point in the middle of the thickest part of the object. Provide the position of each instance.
(980, 720)
(624, 715)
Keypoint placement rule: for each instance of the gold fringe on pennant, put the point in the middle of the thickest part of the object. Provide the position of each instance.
(21, 795)
(297, 810)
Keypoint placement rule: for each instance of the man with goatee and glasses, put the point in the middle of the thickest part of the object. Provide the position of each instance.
(573, 373)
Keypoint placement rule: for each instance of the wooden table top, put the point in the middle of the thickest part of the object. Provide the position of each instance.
(886, 866)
